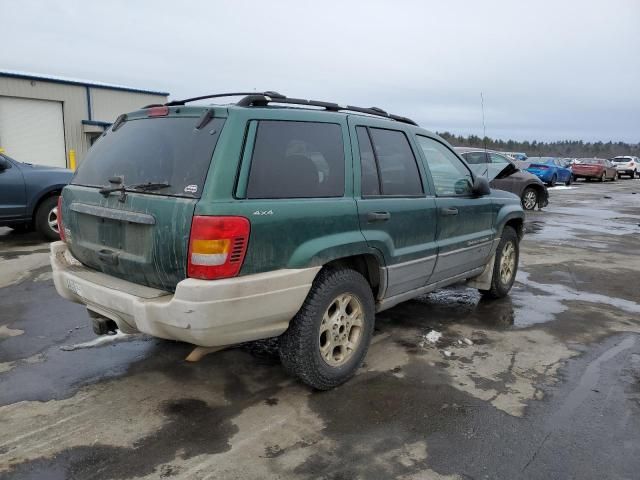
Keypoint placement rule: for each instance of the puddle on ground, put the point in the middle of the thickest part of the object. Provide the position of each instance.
(564, 225)
(529, 303)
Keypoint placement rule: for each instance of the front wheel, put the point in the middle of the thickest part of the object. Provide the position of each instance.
(603, 177)
(327, 340)
(505, 265)
(47, 218)
(553, 181)
(529, 198)
(568, 182)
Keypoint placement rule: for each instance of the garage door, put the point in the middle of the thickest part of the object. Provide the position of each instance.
(32, 131)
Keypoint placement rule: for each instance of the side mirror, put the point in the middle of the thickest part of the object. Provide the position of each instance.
(4, 164)
(481, 187)
(462, 187)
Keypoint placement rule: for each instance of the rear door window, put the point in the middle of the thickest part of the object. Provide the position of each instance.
(397, 167)
(153, 150)
(297, 160)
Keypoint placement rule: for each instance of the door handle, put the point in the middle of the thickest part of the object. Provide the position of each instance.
(449, 211)
(378, 216)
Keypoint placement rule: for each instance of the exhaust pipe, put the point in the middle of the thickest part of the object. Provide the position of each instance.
(102, 325)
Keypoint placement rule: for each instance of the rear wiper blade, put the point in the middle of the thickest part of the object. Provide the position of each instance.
(144, 187)
(149, 186)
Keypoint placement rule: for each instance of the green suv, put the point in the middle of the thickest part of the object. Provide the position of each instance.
(217, 225)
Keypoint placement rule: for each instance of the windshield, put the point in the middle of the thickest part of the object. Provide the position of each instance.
(169, 152)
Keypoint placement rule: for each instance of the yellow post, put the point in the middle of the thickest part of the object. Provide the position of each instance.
(1, 150)
(72, 160)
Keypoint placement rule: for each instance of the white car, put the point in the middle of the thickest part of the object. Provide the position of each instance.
(627, 165)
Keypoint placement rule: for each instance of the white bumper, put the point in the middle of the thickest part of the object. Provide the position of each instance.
(206, 313)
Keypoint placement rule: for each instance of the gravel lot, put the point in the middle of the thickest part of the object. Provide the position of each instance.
(543, 384)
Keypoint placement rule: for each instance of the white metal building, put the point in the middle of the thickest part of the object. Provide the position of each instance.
(48, 120)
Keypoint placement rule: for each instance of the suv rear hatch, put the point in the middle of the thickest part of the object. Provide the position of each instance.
(155, 163)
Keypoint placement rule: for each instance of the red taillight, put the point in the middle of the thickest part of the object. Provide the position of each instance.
(217, 246)
(161, 111)
(59, 219)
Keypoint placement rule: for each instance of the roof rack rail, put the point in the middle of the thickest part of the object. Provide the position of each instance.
(220, 95)
(263, 99)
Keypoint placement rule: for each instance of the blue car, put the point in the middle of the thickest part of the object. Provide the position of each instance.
(550, 170)
(29, 196)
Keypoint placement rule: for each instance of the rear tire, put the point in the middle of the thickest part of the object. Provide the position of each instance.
(327, 340)
(603, 177)
(569, 180)
(505, 265)
(46, 218)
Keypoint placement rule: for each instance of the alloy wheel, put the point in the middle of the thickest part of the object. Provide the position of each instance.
(529, 200)
(52, 219)
(507, 263)
(341, 329)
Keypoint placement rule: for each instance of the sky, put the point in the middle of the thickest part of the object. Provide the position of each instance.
(548, 70)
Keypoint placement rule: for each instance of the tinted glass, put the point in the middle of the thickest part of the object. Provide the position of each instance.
(297, 160)
(157, 150)
(450, 175)
(370, 184)
(475, 158)
(399, 173)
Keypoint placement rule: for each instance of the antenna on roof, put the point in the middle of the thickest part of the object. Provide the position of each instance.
(484, 133)
(484, 127)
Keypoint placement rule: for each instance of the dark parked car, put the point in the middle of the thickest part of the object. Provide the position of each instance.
(504, 174)
(598, 168)
(29, 196)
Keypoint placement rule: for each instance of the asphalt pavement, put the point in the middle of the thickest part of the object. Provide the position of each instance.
(543, 384)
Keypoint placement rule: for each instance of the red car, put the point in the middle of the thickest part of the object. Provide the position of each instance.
(598, 168)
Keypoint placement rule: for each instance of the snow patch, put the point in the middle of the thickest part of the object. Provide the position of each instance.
(433, 337)
(6, 332)
(97, 342)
